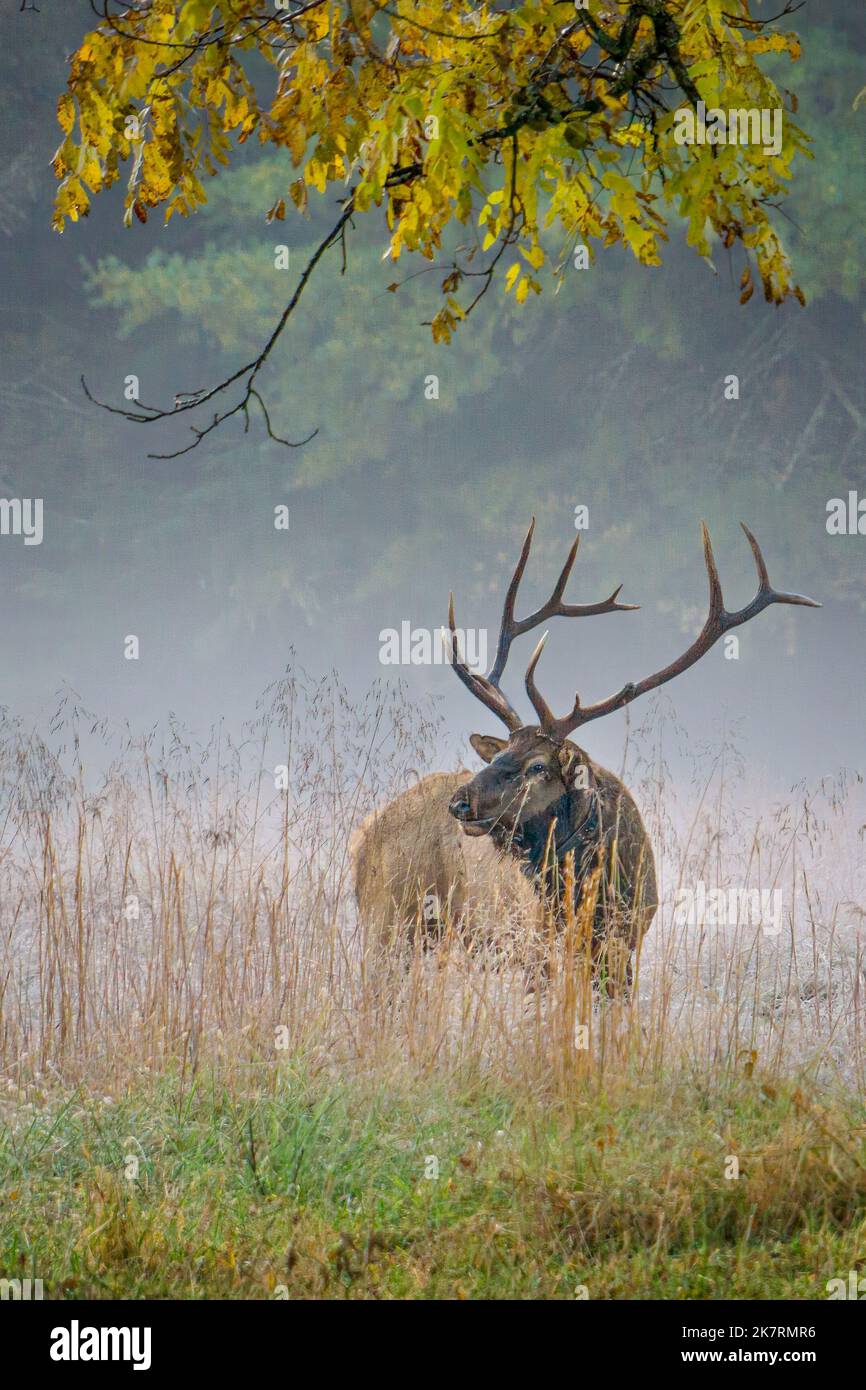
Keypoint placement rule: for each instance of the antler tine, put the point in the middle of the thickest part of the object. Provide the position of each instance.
(554, 607)
(559, 586)
(718, 622)
(480, 686)
(539, 704)
(765, 589)
(589, 610)
(508, 627)
(486, 688)
(760, 563)
(717, 602)
(556, 728)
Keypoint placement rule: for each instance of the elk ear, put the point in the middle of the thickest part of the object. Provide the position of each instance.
(486, 746)
(575, 773)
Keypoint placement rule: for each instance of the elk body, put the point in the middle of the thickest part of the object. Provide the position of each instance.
(416, 874)
(571, 826)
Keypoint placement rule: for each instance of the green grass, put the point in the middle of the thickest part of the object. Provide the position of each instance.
(316, 1188)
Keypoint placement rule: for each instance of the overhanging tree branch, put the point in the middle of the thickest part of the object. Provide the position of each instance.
(247, 374)
(527, 75)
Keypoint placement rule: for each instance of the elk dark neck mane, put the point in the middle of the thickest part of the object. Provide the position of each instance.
(577, 829)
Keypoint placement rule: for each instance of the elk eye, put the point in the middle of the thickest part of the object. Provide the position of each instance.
(535, 768)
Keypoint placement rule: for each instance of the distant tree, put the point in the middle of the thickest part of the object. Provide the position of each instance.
(517, 124)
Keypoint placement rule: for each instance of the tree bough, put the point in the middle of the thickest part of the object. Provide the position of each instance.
(519, 134)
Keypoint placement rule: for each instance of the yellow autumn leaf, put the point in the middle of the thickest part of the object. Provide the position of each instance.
(318, 24)
(65, 112)
(416, 126)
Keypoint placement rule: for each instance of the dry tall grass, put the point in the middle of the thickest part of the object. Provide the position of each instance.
(180, 912)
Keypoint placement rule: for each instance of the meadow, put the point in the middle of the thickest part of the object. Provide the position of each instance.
(206, 1092)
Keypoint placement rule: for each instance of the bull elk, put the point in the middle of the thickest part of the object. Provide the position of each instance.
(541, 799)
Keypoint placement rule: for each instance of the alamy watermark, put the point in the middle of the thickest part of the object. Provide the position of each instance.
(22, 516)
(21, 1289)
(855, 1288)
(741, 126)
(77, 1343)
(726, 907)
(420, 646)
(846, 516)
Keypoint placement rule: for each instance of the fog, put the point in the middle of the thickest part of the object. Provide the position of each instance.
(400, 500)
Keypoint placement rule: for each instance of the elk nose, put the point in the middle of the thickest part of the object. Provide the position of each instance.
(459, 804)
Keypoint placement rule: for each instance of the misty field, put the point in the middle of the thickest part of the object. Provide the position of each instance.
(211, 1088)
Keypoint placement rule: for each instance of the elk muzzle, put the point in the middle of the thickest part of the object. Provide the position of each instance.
(463, 807)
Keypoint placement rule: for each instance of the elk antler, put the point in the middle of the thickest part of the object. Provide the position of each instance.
(486, 688)
(719, 621)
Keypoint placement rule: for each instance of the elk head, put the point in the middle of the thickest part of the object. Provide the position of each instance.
(537, 776)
